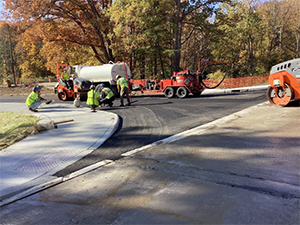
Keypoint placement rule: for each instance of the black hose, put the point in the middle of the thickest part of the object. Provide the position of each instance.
(219, 82)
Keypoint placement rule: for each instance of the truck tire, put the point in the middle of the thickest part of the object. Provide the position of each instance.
(169, 92)
(182, 92)
(62, 96)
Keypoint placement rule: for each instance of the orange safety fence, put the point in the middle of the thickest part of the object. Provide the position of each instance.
(239, 82)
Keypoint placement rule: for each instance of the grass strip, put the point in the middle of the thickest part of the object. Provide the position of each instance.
(13, 126)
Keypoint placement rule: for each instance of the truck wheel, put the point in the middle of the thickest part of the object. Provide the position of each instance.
(181, 92)
(169, 92)
(62, 96)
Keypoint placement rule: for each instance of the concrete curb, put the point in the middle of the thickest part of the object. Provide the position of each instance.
(235, 90)
(53, 182)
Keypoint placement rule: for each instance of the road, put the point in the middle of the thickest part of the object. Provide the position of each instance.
(239, 172)
(152, 118)
(155, 117)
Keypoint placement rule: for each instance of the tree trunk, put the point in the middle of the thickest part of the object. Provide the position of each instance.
(176, 38)
(11, 54)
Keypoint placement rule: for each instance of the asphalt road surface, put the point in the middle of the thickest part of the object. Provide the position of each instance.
(250, 177)
(152, 118)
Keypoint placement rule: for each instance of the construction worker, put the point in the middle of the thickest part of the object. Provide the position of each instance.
(66, 77)
(34, 100)
(93, 98)
(107, 96)
(123, 89)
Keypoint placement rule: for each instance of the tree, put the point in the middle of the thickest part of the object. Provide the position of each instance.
(238, 38)
(82, 22)
(193, 14)
(7, 58)
(143, 34)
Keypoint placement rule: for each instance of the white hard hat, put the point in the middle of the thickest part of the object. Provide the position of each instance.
(118, 76)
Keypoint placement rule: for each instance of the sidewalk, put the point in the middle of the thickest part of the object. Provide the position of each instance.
(33, 161)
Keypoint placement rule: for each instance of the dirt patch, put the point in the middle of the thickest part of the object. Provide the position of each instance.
(26, 89)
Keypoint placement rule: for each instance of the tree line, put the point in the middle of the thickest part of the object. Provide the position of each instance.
(153, 37)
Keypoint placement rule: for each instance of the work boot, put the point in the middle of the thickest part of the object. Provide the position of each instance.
(33, 110)
(111, 104)
(93, 110)
(122, 105)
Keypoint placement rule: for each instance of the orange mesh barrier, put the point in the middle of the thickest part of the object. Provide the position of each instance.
(239, 82)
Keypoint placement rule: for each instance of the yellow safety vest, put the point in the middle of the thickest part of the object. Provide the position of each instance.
(122, 82)
(92, 98)
(66, 76)
(32, 97)
(108, 93)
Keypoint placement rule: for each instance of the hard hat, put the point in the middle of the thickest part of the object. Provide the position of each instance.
(65, 69)
(35, 89)
(92, 86)
(118, 76)
(102, 85)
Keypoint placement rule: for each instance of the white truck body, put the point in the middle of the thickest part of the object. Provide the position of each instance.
(105, 73)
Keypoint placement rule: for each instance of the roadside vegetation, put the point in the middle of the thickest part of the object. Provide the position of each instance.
(154, 37)
(14, 127)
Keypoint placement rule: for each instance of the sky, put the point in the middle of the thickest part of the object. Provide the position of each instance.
(1, 9)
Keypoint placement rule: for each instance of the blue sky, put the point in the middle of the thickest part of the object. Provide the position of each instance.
(1, 9)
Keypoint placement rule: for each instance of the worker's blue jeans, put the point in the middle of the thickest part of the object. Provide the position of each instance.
(35, 105)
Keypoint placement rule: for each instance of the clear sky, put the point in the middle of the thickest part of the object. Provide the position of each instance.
(1, 9)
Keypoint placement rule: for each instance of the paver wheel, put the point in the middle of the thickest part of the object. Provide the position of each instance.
(280, 96)
(62, 96)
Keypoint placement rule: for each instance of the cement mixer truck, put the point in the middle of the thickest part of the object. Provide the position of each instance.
(82, 76)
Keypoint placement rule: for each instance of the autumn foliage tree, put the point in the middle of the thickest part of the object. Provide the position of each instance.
(7, 53)
(82, 22)
(154, 37)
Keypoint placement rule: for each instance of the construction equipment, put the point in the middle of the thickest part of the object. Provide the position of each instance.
(83, 76)
(284, 83)
(76, 88)
(184, 82)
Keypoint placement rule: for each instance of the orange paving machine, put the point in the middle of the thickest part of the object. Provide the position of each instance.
(284, 82)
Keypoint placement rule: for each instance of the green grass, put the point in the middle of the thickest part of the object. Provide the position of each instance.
(12, 125)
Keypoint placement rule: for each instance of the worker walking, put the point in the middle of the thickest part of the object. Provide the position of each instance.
(93, 98)
(107, 96)
(34, 100)
(123, 89)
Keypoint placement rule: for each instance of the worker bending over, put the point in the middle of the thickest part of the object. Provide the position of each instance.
(123, 89)
(34, 100)
(93, 98)
(107, 96)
